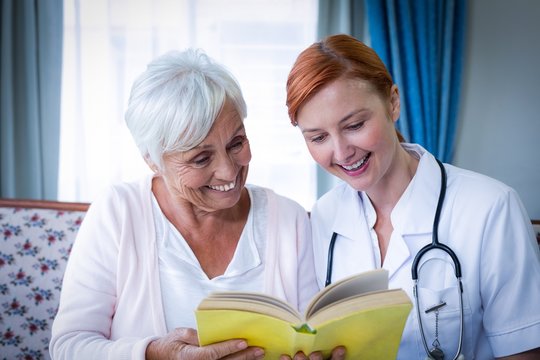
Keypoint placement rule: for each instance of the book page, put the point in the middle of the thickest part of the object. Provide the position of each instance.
(371, 301)
(374, 280)
(254, 302)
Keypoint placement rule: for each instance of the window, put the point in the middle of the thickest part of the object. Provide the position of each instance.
(108, 43)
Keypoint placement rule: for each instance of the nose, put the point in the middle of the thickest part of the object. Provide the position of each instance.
(226, 168)
(343, 151)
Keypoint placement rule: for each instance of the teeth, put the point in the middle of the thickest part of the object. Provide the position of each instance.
(225, 187)
(357, 164)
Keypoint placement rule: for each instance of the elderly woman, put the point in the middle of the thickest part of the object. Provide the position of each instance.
(149, 251)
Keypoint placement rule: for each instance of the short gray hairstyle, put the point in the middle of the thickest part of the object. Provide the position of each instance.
(174, 103)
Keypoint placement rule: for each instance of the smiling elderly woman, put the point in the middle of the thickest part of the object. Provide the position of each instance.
(149, 251)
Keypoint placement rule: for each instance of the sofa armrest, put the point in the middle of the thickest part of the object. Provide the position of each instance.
(35, 241)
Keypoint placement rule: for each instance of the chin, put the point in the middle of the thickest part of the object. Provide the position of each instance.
(229, 199)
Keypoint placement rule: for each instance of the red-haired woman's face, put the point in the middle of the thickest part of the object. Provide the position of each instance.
(349, 130)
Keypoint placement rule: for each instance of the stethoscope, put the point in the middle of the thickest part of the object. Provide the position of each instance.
(435, 352)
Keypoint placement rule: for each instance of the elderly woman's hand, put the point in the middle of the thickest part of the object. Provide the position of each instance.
(183, 344)
(337, 354)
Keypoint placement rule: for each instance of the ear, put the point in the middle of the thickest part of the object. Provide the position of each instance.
(151, 164)
(395, 105)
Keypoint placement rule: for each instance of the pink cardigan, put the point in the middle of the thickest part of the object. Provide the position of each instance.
(111, 306)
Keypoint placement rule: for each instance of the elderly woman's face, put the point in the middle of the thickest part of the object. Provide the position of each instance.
(212, 175)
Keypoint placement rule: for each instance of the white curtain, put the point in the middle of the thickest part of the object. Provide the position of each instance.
(107, 43)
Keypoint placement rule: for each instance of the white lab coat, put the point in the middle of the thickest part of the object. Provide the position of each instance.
(485, 224)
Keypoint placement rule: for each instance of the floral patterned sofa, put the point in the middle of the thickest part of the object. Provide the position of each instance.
(35, 241)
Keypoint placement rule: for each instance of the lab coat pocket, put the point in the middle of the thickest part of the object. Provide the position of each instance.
(440, 311)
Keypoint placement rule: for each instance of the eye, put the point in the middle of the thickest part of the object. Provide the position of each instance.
(318, 138)
(201, 160)
(237, 144)
(355, 126)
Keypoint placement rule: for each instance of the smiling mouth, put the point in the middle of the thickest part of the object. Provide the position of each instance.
(223, 188)
(357, 164)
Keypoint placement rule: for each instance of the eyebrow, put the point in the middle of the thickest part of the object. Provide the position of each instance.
(345, 118)
(205, 146)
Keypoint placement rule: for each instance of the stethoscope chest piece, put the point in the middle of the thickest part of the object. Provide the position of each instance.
(435, 354)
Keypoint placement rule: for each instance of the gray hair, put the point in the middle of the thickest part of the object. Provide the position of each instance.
(174, 103)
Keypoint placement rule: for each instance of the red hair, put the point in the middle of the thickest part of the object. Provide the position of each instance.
(337, 56)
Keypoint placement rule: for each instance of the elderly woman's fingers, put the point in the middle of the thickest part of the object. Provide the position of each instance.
(183, 344)
(250, 353)
(229, 350)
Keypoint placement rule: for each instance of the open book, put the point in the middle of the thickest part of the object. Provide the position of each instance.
(358, 312)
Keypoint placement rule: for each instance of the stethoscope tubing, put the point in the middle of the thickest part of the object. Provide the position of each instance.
(435, 244)
(330, 261)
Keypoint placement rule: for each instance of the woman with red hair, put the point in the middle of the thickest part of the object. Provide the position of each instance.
(343, 100)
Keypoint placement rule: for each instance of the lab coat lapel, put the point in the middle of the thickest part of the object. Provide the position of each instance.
(413, 215)
(416, 212)
(397, 254)
(353, 252)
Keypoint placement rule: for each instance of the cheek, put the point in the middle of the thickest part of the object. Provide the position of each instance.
(182, 178)
(244, 157)
(189, 181)
(373, 139)
(319, 153)
(376, 137)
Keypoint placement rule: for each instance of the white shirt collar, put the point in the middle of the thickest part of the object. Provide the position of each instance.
(420, 197)
(415, 210)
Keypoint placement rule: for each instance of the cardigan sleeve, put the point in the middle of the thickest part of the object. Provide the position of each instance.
(290, 271)
(88, 301)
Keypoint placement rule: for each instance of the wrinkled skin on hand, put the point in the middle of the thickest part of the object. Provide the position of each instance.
(183, 344)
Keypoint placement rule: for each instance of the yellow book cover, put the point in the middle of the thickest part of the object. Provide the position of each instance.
(358, 312)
